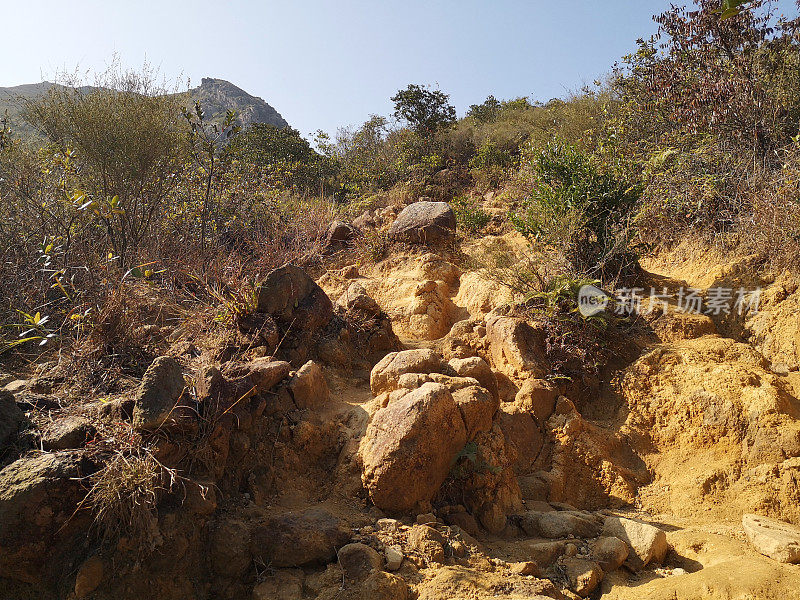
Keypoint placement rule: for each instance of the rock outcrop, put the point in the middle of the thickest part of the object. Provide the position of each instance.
(424, 223)
(773, 538)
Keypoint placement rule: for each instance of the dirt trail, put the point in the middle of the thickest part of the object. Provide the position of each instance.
(710, 557)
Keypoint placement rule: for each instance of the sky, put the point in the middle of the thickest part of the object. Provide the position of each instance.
(329, 64)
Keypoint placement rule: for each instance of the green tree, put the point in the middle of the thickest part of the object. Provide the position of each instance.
(206, 148)
(424, 110)
(487, 111)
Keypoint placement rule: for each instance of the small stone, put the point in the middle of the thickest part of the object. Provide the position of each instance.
(525, 569)
(459, 549)
(18, 385)
(282, 585)
(560, 524)
(201, 498)
(570, 550)
(89, 577)
(428, 542)
(308, 386)
(426, 519)
(465, 521)
(391, 525)
(11, 417)
(159, 392)
(266, 373)
(493, 518)
(394, 557)
(358, 561)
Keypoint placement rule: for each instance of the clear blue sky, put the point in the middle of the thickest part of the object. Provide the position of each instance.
(322, 64)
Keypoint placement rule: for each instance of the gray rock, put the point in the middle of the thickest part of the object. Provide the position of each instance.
(647, 542)
(68, 432)
(394, 557)
(776, 539)
(424, 223)
(559, 524)
(294, 299)
(337, 236)
(356, 299)
(159, 392)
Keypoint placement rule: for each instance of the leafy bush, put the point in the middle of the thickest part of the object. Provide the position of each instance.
(580, 210)
(469, 215)
(125, 138)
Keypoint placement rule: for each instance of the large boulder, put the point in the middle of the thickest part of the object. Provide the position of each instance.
(386, 374)
(409, 447)
(294, 299)
(647, 542)
(39, 494)
(295, 539)
(159, 393)
(308, 387)
(424, 223)
(11, 417)
(776, 539)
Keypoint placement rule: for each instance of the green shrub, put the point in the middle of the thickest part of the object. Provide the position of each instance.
(469, 215)
(579, 210)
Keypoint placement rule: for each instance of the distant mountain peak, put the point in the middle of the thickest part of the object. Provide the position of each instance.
(218, 96)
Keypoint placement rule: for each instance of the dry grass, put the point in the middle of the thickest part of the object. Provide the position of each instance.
(124, 494)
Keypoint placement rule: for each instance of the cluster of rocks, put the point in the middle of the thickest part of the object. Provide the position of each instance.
(422, 222)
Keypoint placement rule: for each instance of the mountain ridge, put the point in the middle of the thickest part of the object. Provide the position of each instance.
(216, 96)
